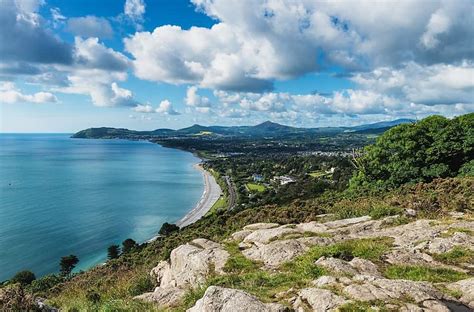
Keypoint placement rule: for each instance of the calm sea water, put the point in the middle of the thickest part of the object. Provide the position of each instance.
(61, 196)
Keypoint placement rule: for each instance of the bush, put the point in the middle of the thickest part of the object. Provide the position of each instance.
(167, 229)
(45, 283)
(23, 277)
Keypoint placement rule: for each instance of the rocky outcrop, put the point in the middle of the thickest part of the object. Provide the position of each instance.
(232, 300)
(466, 289)
(189, 265)
(317, 300)
(348, 279)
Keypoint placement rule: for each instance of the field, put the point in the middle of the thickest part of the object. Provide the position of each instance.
(254, 187)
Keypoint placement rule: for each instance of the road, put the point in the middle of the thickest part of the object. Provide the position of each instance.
(232, 193)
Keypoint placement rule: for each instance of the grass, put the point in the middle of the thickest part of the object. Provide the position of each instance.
(220, 204)
(366, 306)
(423, 273)
(254, 187)
(450, 232)
(317, 174)
(456, 256)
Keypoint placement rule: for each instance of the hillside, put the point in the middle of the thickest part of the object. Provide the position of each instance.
(267, 128)
(389, 228)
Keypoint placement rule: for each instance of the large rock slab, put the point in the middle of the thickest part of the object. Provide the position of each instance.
(232, 300)
(189, 266)
(276, 253)
(318, 300)
(191, 263)
(356, 266)
(466, 288)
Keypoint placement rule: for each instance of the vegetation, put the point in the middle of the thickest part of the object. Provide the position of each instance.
(24, 277)
(113, 252)
(424, 273)
(254, 187)
(167, 229)
(128, 245)
(420, 152)
(67, 264)
(426, 166)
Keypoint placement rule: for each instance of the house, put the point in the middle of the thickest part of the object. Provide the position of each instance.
(284, 179)
(257, 177)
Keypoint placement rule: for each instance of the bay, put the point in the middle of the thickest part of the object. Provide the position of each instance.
(61, 196)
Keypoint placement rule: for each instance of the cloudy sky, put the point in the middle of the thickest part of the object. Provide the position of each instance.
(146, 64)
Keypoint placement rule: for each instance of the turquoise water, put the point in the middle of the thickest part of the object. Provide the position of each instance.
(61, 196)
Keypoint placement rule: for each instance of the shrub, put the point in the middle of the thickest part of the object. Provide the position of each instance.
(24, 277)
(167, 229)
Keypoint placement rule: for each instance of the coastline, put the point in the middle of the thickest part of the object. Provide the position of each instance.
(210, 195)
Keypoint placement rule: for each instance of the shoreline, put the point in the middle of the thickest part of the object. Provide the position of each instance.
(212, 192)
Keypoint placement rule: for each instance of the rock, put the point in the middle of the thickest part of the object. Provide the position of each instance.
(383, 289)
(191, 263)
(232, 300)
(354, 267)
(435, 306)
(164, 296)
(410, 212)
(445, 244)
(189, 266)
(312, 226)
(325, 280)
(318, 300)
(265, 236)
(346, 222)
(276, 253)
(408, 256)
(466, 288)
(260, 226)
(335, 265)
(240, 235)
(364, 267)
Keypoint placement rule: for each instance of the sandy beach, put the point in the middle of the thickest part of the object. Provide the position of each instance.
(211, 194)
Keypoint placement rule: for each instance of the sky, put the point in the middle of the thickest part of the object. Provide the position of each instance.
(148, 64)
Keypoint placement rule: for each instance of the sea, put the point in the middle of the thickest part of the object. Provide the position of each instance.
(62, 196)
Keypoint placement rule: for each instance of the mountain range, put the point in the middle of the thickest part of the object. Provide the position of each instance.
(265, 129)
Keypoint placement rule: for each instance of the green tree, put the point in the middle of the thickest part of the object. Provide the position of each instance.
(419, 152)
(113, 252)
(128, 245)
(24, 277)
(168, 228)
(67, 264)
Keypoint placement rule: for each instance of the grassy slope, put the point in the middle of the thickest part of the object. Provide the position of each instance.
(121, 279)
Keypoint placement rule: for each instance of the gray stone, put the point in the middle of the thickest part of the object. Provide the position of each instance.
(466, 287)
(319, 300)
(232, 300)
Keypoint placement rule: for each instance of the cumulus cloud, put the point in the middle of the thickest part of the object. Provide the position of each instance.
(90, 26)
(166, 108)
(10, 94)
(27, 40)
(196, 100)
(90, 53)
(133, 11)
(255, 42)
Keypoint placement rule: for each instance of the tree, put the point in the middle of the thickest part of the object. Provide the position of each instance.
(168, 228)
(419, 152)
(24, 277)
(67, 264)
(128, 245)
(113, 252)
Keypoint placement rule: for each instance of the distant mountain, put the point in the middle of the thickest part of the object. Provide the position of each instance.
(265, 129)
(382, 124)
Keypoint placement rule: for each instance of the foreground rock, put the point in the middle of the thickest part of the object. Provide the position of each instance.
(232, 300)
(466, 289)
(189, 266)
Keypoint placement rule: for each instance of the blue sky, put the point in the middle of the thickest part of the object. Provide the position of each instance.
(142, 64)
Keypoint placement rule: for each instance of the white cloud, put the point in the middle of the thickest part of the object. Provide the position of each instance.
(134, 10)
(194, 99)
(9, 94)
(143, 108)
(256, 42)
(166, 108)
(90, 26)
